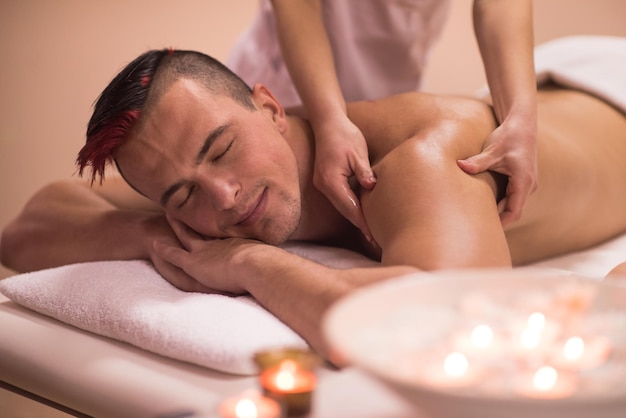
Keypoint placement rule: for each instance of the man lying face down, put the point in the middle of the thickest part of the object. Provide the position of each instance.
(227, 171)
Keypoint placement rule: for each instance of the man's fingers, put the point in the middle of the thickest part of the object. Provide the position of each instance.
(170, 253)
(185, 235)
(172, 272)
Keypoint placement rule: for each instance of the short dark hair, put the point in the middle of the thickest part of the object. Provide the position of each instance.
(136, 88)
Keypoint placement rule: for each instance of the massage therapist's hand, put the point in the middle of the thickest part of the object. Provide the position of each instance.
(201, 264)
(510, 150)
(341, 153)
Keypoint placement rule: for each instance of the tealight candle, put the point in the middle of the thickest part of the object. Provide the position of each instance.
(535, 336)
(577, 353)
(481, 340)
(250, 404)
(288, 377)
(547, 383)
(455, 371)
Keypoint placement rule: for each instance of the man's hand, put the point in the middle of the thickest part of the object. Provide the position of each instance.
(201, 264)
(340, 154)
(509, 150)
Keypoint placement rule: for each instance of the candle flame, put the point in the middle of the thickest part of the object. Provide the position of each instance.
(455, 364)
(285, 379)
(530, 338)
(545, 378)
(245, 408)
(573, 348)
(536, 322)
(482, 336)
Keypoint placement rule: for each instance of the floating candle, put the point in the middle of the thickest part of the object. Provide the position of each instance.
(534, 337)
(482, 336)
(480, 341)
(455, 371)
(455, 365)
(577, 353)
(546, 382)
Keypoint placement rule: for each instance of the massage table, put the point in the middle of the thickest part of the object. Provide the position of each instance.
(87, 371)
(86, 374)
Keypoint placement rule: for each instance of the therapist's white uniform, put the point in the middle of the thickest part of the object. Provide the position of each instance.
(380, 47)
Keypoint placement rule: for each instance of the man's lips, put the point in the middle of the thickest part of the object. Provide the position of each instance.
(256, 210)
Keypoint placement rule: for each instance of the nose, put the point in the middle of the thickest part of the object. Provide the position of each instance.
(222, 192)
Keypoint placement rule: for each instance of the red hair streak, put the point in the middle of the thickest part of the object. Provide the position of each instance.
(102, 146)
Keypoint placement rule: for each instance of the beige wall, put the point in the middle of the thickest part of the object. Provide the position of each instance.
(57, 55)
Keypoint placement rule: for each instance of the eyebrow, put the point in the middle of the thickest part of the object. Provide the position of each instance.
(204, 149)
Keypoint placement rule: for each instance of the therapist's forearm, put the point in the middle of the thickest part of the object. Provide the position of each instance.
(309, 57)
(504, 31)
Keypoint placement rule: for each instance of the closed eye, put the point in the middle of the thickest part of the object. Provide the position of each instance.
(189, 193)
(221, 154)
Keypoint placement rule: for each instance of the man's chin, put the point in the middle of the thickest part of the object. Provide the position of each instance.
(280, 234)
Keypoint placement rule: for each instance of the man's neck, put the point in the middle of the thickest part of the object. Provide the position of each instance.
(320, 221)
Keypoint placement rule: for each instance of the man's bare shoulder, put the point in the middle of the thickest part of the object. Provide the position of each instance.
(387, 122)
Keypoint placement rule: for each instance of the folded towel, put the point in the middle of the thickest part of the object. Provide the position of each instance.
(129, 301)
(591, 63)
(594, 64)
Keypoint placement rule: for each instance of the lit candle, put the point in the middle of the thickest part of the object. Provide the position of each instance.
(547, 383)
(535, 336)
(481, 340)
(250, 404)
(577, 353)
(288, 377)
(455, 371)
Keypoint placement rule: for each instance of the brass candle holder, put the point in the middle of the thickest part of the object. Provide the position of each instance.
(288, 376)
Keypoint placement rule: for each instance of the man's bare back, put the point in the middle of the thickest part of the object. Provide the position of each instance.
(450, 218)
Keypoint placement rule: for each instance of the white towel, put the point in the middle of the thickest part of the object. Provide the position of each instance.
(594, 64)
(129, 301)
(591, 63)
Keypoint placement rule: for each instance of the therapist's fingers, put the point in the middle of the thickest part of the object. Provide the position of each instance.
(512, 205)
(363, 173)
(332, 177)
(521, 173)
(347, 203)
(481, 162)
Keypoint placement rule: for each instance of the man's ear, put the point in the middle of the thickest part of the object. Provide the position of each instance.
(265, 101)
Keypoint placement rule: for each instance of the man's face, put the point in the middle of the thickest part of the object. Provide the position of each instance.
(222, 169)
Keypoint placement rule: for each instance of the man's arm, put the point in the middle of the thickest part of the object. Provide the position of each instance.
(296, 290)
(69, 221)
